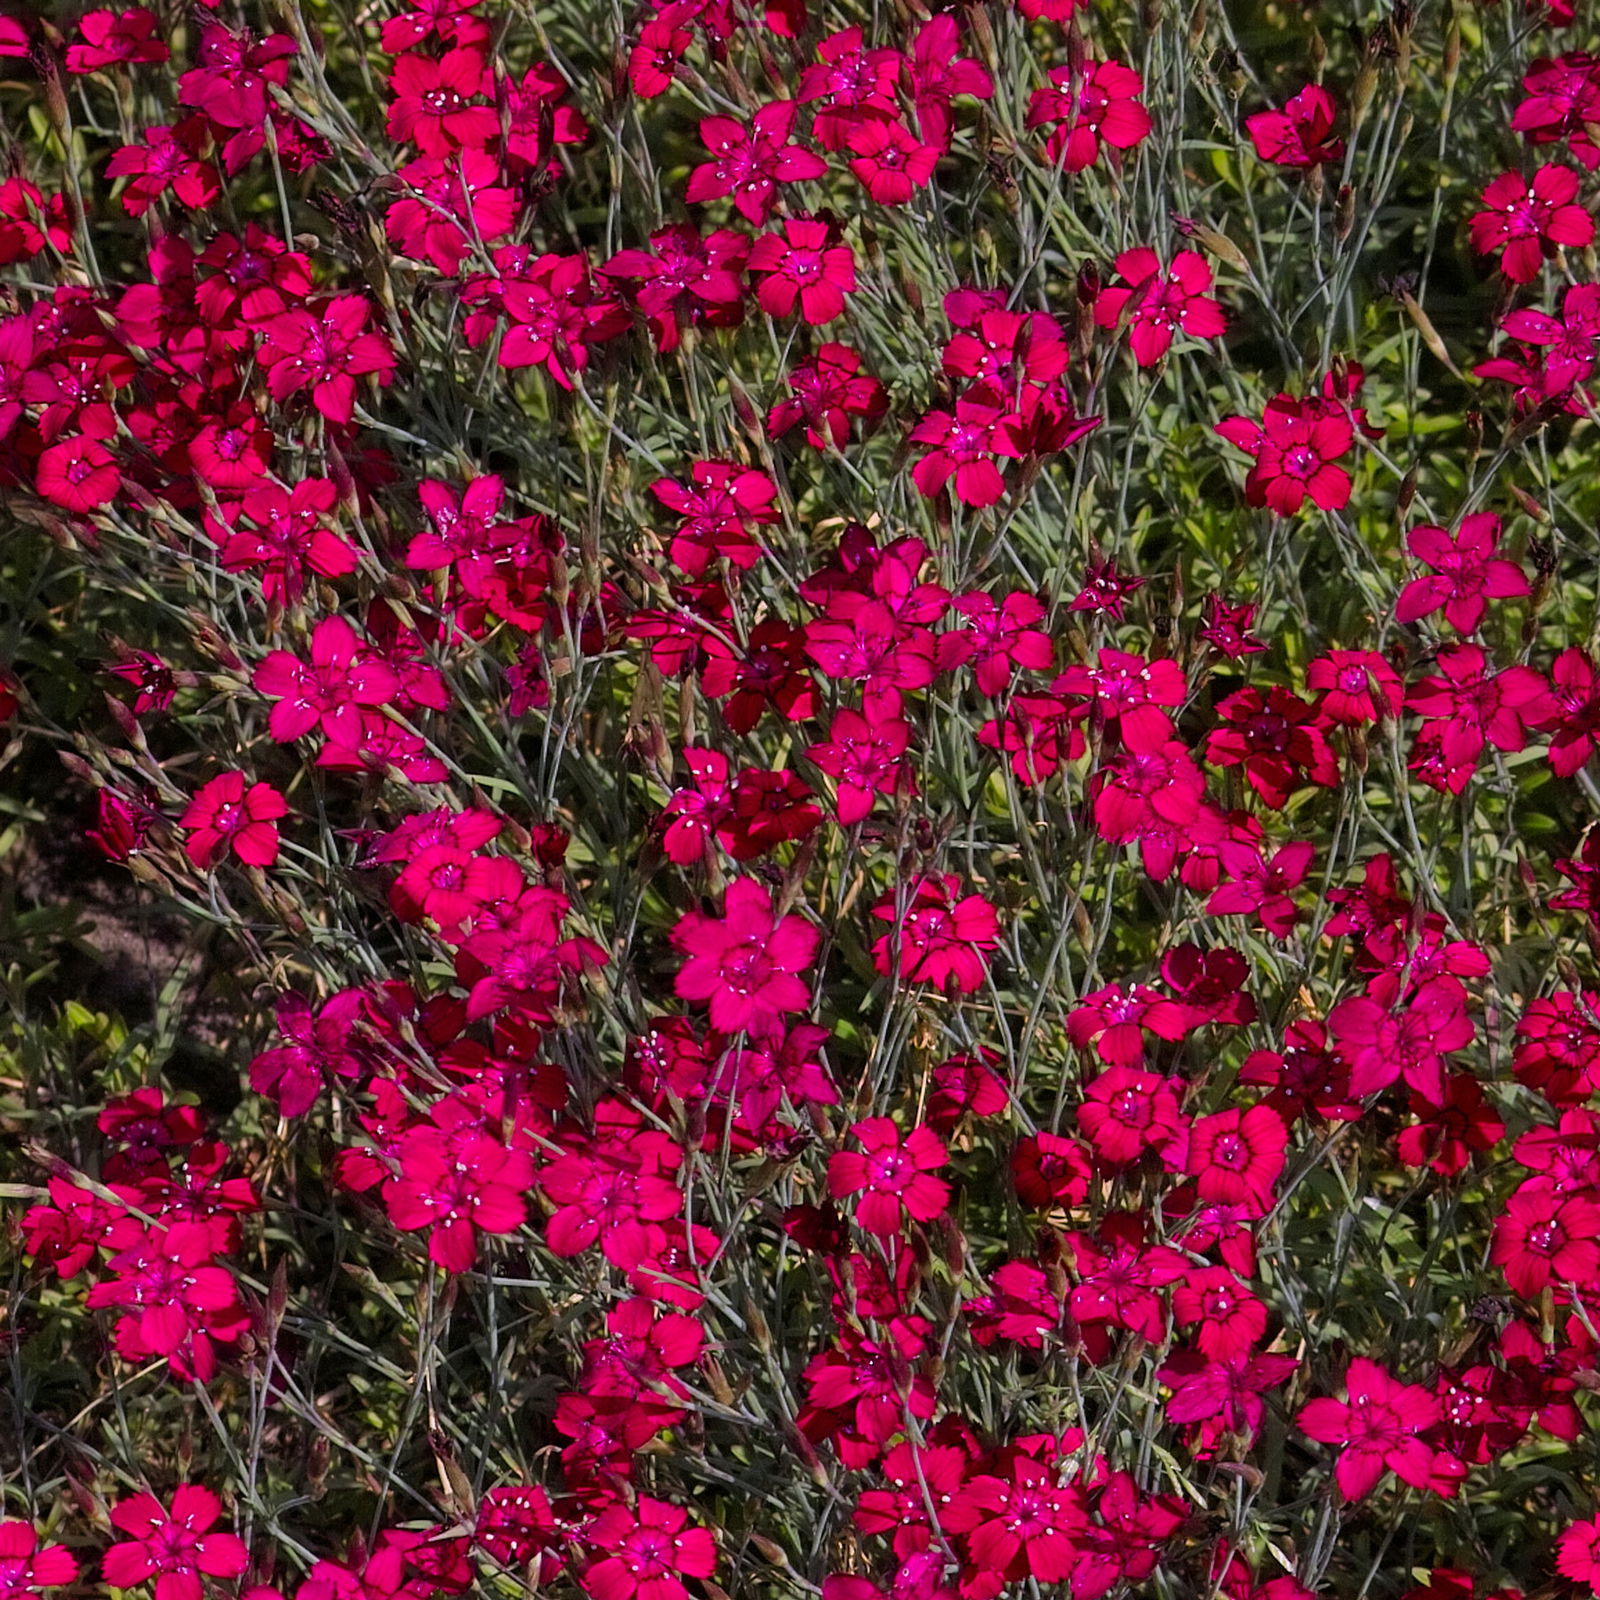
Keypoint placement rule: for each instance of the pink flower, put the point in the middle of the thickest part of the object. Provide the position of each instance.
(226, 815)
(111, 38)
(1296, 446)
(962, 445)
(26, 1568)
(891, 162)
(457, 1184)
(1156, 301)
(650, 1552)
(78, 474)
(174, 1547)
(893, 1175)
(1357, 686)
(1542, 1238)
(1531, 220)
(1297, 135)
(1376, 1429)
(746, 963)
(804, 262)
(749, 160)
(325, 351)
(937, 938)
(328, 689)
(439, 105)
(1467, 574)
(1100, 105)
(828, 388)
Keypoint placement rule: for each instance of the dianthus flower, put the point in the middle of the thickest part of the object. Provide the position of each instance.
(651, 1549)
(111, 38)
(325, 350)
(1530, 221)
(1296, 446)
(746, 963)
(1155, 302)
(174, 1547)
(1376, 1429)
(26, 1567)
(892, 1173)
(828, 388)
(807, 263)
(1467, 575)
(937, 938)
(1089, 107)
(226, 815)
(749, 160)
(1297, 134)
(1542, 1239)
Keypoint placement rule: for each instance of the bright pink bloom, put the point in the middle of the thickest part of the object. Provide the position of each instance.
(1531, 221)
(1467, 577)
(1356, 685)
(804, 262)
(650, 1552)
(891, 162)
(226, 815)
(326, 690)
(1089, 107)
(1376, 1429)
(1542, 1239)
(173, 1547)
(111, 38)
(1296, 446)
(749, 160)
(26, 1567)
(746, 963)
(937, 938)
(892, 1174)
(1156, 301)
(1297, 135)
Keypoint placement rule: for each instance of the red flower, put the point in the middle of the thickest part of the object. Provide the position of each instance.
(457, 1184)
(325, 351)
(1468, 576)
(1540, 1239)
(749, 160)
(328, 689)
(891, 162)
(174, 1547)
(110, 38)
(1296, 445)
(25, 1568)
(746, 963)
(962, 445)
(651, 1552)
(893, 1175)
(225, 815)
(722, 505)
(1297, 135)
(1234, 1156)
(937, 938)
(1377, 1429)
(1531, 220)
(653, 61)
(1100, 104)
(1381, 1045)
(1578, 1553)
(78, 473)
(850, 86)
(1156, 301)
(804, 263)
(1126, 1112)
(434, 103)
(1231, 1319)
(1357, 686)
(829, 388)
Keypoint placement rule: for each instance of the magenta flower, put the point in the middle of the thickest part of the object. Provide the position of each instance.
(746, 963)
(1156, 301)
(1377, 1429)
(650, 1551)
(805, 262)
(26, 1568)
(892, 1174)
(1529, 221)
(1467, 575)
(937, 938)
(749, 160)
(1296, 446)
(173, 1547)
(1297, 135)
(225, 815)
